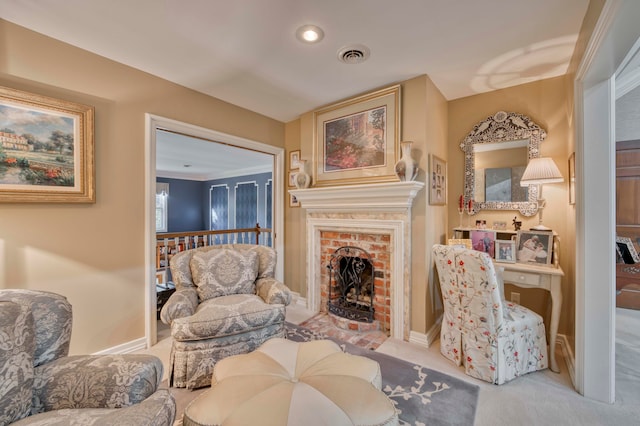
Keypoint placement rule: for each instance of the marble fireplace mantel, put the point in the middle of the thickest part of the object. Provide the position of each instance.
(381, 208)
(391, 196)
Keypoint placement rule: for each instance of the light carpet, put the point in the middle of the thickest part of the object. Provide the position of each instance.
(422, 396)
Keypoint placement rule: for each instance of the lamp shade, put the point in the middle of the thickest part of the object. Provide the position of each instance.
(541, 170)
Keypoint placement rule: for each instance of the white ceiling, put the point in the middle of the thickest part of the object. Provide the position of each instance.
(245, 51)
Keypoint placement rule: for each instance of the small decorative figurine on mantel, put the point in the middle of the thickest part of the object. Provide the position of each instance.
(516, 224)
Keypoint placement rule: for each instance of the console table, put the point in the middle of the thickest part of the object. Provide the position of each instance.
(526, 275)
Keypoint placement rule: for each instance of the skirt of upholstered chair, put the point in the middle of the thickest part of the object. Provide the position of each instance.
(192, 362)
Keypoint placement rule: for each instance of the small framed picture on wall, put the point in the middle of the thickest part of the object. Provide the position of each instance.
(293, 201)
(294, 160)
(437, 181)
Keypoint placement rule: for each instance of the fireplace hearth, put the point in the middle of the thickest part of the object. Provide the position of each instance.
(351, 280)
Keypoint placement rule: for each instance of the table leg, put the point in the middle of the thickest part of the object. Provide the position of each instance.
(556, 304)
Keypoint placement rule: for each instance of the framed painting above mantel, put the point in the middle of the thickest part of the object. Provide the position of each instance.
(357, 140)
(46, 149)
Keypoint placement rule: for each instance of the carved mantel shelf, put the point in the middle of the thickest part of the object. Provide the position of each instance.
(392, 196)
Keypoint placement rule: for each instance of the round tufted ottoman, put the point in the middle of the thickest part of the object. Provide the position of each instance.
(287, 383)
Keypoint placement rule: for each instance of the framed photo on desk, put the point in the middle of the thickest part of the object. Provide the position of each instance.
(535, 247)
(506, 251)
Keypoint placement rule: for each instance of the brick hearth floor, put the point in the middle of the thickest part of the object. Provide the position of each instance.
(321, 323)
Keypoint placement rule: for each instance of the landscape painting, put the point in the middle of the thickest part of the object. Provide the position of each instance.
(356, 141)
(46, 149)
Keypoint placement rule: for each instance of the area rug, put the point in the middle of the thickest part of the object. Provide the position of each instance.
(422, 396)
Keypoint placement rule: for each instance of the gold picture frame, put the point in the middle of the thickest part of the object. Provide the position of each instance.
(357, 140)
(46, 149)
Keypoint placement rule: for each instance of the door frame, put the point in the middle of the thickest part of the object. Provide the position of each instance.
(154, 123)
(613, 40)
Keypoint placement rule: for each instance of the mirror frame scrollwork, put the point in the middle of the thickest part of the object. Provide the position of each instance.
(501, 127)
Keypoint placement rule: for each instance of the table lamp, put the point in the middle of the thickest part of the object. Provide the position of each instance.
(538, 172)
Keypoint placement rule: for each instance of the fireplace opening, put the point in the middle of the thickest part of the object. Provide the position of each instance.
(351, 277)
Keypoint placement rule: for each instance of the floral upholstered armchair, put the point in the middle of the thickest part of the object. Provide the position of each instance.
(496, 341)
(227, 302)
(41, 385)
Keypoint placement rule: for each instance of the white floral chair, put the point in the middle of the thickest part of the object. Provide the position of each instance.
(227, 302)
(41, 385)
(496, 341)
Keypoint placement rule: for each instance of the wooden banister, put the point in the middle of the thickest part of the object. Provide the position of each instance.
(170, 243)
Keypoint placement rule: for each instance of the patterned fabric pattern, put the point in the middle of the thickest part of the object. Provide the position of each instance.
(496, 341)
(82, 390)
(191, 363)
(85, 381)
(158, 409)
(223, 272)
(206, 331)
(17, 345)
(227, 315)
(52, 317)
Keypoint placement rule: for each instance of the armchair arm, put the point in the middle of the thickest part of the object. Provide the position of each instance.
(95, 381)
(182, 303)
(157, 410)
(273, 291)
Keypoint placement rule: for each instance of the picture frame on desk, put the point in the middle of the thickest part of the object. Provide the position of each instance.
(626, 250)
(535, 247)
(485, 241)
(506, 251)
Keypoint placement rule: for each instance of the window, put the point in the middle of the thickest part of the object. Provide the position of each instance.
(162, 195)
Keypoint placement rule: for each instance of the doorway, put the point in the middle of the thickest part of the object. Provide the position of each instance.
(155, 124)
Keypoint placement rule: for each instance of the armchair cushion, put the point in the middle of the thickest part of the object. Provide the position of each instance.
(17, 345)
(224, 272)
(226, 316)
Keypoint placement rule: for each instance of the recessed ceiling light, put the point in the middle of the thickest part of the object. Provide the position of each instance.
(309, 34)
(186, 165)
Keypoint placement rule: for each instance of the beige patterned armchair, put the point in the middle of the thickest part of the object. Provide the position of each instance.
(41, 385)
(227, 302)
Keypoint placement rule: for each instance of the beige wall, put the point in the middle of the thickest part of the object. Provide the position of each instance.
(424, 121)
(94, 253)
(548, 103)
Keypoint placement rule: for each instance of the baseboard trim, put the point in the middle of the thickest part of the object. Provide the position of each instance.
(568, 356)
(299, 300)
(426, 340)
(125, 348)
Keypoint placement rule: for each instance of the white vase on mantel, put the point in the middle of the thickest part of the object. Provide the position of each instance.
(302, 179)
(407, 167)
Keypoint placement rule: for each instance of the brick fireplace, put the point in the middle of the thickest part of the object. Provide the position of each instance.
(376, 218)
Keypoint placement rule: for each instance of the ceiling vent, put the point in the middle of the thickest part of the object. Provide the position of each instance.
(354, 54)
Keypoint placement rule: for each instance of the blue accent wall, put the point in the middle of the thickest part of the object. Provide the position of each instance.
(253, 204)
(190, 202)
(185, 205)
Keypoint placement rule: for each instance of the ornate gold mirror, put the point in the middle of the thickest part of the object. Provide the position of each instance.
(496, 153)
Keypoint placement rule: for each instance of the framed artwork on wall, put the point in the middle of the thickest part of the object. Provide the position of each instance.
(293, 201)
(535, 247)
(294, 160)
(438, 181)
(357, 140)
(46, 149)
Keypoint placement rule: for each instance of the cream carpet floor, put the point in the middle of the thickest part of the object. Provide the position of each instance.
(542, 398)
